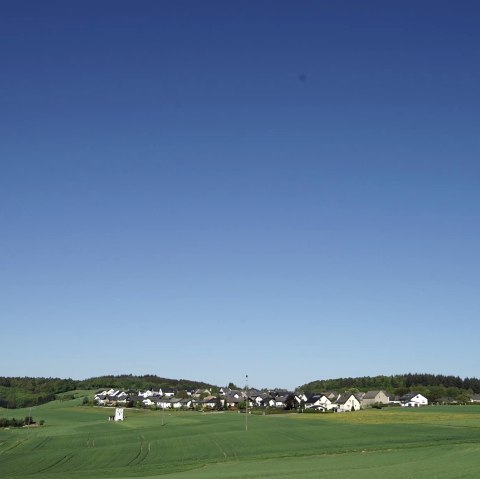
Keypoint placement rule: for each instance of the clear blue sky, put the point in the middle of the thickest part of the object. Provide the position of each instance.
(204, 190)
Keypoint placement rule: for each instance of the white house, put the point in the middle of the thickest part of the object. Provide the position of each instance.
(413, 400)
(348, 402)
(280, 401)
(209, 402)
(319, 402)
(176, 403)
(186, 403)
(147, 394)
(258, 401)
(231, 401)
(164, 403)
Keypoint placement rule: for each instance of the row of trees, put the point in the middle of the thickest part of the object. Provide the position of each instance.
(27, 421)
(148, 381)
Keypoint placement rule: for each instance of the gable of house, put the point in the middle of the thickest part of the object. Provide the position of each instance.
(413, 399)
(374, 397)
(348, 402)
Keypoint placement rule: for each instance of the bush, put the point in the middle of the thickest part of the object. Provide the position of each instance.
(11, 422)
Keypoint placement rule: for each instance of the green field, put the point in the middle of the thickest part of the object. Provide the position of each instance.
(78, 442)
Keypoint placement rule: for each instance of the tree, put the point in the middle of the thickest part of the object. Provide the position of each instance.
(291, 402)
(464, 397)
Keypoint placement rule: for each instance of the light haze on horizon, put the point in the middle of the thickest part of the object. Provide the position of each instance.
(205, 190)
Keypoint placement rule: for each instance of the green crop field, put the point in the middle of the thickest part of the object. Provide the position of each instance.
(78, 442)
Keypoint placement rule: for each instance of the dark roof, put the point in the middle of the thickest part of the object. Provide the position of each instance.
(408, 396)
(330, 394)
(283, 392)
(314, 397)
(345, 397)
(232, 399)
(372, 394)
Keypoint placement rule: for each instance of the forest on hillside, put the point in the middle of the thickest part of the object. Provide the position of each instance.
(17, 392)
(432, 386)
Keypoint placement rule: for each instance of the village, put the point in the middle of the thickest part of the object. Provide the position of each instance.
(236, 399)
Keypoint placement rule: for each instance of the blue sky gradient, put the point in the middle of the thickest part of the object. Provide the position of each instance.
(205, 190)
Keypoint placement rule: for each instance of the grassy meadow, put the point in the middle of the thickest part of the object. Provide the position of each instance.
(78, 442)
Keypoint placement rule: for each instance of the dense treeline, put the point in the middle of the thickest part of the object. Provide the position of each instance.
(25, 392)
(27, 421)
(433, 386)
(18, 392)
(148, 381)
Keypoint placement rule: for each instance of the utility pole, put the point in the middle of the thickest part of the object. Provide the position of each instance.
(246, 402)
(29, 421)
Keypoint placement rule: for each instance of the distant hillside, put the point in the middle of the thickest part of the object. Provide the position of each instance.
(431, 385)
(25, 392)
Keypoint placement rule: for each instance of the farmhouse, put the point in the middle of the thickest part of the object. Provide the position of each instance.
(148, 393)
(186, 403)
(231, 401)
(332, 395)
(374, 397)
(348, 402)
(319, 402)
(413, 400)
(208, 402)
(164, 403)
(278, 401)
